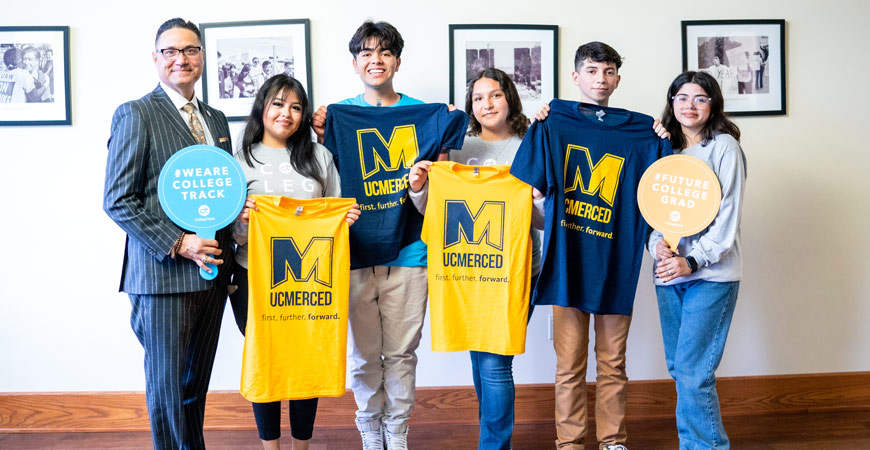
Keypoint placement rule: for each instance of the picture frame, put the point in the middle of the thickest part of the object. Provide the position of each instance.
(35, 76)
(532, 65)
(276, 45)
(747, 58)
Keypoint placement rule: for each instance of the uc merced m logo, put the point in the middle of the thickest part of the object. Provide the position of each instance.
(376, 153)
(601, 178)
(485, 225)
(315, 261)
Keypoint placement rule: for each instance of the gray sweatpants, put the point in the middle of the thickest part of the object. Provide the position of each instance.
(387, 306)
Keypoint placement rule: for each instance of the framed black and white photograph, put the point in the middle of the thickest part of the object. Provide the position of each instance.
(34, 78)
(747, 58)
(240, 56)
(527, 53)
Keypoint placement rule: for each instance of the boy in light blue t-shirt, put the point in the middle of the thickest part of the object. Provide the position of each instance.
(387, 302)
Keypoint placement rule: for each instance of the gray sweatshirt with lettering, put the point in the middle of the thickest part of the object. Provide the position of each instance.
(273, 174)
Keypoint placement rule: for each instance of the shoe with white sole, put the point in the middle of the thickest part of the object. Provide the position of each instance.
(372, 440)
(397, 441)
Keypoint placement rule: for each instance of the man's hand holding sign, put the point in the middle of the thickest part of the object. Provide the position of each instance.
(202, 189)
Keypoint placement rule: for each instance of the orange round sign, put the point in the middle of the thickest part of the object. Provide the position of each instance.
(678, 196)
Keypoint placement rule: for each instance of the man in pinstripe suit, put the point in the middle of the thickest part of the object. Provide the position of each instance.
(176, 314)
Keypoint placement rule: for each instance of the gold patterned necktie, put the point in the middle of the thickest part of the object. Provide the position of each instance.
(194, 124)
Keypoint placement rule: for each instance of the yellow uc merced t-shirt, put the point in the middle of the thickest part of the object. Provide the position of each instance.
(298, 271)
(476, 227)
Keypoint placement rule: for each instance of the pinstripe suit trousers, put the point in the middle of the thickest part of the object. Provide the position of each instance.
(180, 334)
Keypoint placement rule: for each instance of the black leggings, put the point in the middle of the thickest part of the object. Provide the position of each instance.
(302, 413)
(268, 415)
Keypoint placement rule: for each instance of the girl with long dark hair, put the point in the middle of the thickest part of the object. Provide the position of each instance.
(496, 128)
(278, 157)
(697, 285)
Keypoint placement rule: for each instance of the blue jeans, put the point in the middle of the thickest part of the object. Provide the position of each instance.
(494, 385)
(695, 317)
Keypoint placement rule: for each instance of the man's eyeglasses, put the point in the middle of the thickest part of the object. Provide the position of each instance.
(170, 53)
(701, 100)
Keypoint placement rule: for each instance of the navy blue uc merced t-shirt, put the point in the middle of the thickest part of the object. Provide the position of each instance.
(588, 159)
(374, 150)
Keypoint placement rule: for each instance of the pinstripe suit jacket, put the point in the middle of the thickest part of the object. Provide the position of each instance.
(145, 134)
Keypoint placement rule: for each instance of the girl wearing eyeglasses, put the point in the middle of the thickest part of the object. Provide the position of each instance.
(697, 285)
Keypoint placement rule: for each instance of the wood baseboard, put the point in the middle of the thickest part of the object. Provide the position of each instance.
(125, 411)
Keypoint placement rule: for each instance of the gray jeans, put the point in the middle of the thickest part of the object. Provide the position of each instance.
(386, 310)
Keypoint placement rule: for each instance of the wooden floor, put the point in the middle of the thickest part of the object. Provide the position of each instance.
(804, 431)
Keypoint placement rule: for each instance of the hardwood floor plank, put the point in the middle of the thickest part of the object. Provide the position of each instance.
(795, 431)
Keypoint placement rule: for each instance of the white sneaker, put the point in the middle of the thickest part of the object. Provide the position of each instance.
(397, 441)
(614, 447)
(372, 440)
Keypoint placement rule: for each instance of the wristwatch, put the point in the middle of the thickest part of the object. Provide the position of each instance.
(693, 265)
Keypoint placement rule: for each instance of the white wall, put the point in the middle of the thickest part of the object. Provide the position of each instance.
(804, 300)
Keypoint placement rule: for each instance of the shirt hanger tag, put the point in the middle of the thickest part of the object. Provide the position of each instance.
(476, 171)
(299, 210)
(600, 113)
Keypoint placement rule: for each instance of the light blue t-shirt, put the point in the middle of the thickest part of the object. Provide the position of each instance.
(359, 100)
(411, 255)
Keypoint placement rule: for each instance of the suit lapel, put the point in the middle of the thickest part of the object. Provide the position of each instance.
(217, 129)
(209, 120)
(165, 107)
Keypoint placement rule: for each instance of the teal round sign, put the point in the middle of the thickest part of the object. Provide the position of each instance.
(202, 189)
